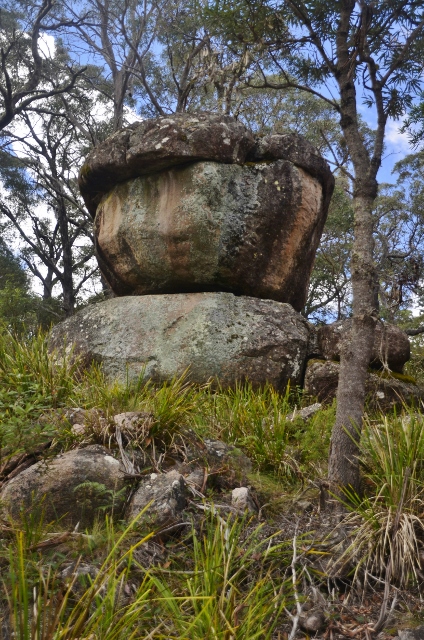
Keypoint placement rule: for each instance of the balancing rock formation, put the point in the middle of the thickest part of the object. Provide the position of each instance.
(207, 236)
(186, 204)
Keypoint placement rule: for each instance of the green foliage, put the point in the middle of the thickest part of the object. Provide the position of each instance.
(236, 584)
(95, 495)
(32, 381)
(42, 604)
(256, 421)
(218, 598)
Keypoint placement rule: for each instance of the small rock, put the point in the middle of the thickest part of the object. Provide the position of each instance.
(242, 500)
(131, 419)
(383, 393)
(167, 493)
(306, 413)
(195, 479)
(305, 505)
(77, 415)
(232, 464)
(313, 620)
(411, 634)
(391, 344)
(78, 429)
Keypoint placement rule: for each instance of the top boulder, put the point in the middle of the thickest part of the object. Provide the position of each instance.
(150, 146)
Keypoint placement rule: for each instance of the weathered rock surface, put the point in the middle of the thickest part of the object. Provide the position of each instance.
(306, 413)
(166, 493)
(216, 335)
(252, 230)
(391, 344)
(149, 146)
(411, 634)
(242, 500)
(296, 149)
(53, 487)
(383, 393)
(313, 620)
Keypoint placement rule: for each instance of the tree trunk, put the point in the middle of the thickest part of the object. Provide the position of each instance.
(67, 280)
(355, 355)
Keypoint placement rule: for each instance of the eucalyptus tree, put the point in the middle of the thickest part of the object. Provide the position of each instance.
(28, 72)
(117, 36)
(47, 214)
(367, 49)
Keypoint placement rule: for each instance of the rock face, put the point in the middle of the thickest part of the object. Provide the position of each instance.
(54, 487)
(391, 344)
(383, 393)
(252, 230)
(217, 335)
(190, 210)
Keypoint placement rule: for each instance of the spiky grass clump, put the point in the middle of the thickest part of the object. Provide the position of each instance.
(42, 604)
(31, 383)
(235, 588)
(257, 421)
(387, 523)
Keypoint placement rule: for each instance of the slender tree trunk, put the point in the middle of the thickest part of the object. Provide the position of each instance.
(355, 354)
(67, 260)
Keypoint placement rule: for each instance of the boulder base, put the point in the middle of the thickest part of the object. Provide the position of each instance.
(213, 335)
(391, 344)
(252, 230)
(383, 393)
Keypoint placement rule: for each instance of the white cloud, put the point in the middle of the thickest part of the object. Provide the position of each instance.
(396, 141)
(47, 45)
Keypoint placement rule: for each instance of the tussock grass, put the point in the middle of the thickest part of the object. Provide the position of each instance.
(35, 385)
(387, 522)
(32, 382)
(235, 587)
(256, 420)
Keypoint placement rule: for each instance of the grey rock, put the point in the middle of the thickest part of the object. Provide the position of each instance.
(53, 487)
(313, 620)
(215, 335)
(301, 153)
(383, 393)
(252, 230)
(226, 466)
(411, 634)
(305, 505)
(306, 413)
(391, 344)
(195, 479)
(242, 501)
(152, 145)
(167, 493)
(134, 425)
(76, 415)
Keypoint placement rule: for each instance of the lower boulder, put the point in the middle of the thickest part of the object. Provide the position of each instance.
(384, 391)
(72, 487)
(213, 335)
